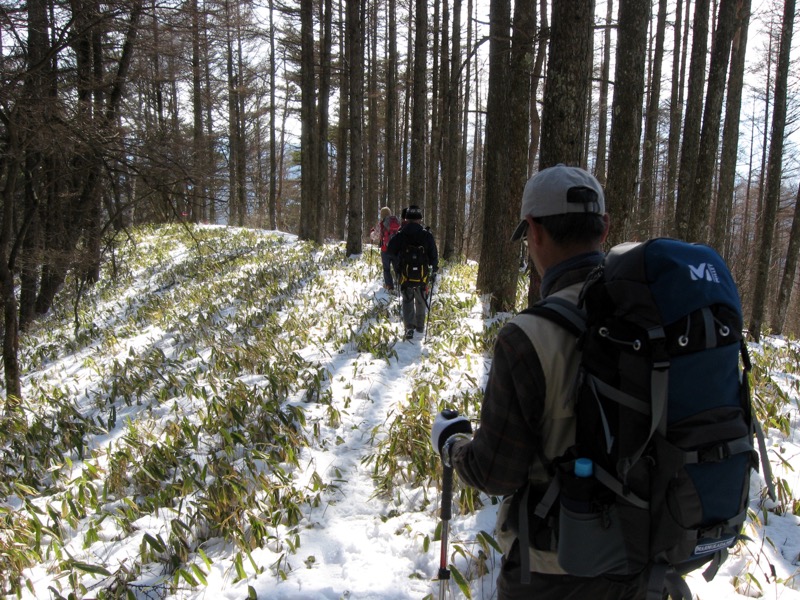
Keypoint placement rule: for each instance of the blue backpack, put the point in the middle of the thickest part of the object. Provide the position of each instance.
(659, 476)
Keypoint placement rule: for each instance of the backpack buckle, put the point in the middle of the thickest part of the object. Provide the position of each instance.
(714, 454)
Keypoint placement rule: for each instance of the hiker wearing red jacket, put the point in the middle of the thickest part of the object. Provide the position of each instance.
(387, 226)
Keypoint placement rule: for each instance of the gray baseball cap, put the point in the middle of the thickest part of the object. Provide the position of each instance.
(559, 190)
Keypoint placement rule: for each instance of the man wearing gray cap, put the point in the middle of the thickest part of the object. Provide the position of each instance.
(526, 417)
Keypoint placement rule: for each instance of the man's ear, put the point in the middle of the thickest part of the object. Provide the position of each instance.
(607, 221)
(536, 230)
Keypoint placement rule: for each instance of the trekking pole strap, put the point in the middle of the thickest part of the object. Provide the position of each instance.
(765, 466)
(664, 578)
(715, 564)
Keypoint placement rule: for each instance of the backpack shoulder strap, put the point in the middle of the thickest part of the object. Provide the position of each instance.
(558, 310)
(567, 315)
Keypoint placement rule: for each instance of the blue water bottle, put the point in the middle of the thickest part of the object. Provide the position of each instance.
(577, 494)
(584, 467)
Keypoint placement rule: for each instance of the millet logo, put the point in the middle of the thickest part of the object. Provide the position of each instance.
(703, 271)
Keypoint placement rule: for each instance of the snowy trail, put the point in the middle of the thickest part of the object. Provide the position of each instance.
(357, 545)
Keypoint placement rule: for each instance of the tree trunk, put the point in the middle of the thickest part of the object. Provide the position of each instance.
(233, 118)
(465, 202)
(417, 173)
(38, 158)
(438, 77)
(308, 108)
(494, 276)
(321, 201)
(392, 154)
(722, 236)
(473, 242)
(210, 208)
(691, 122)
(373, 198)
(507, 142)
(774, 172)
(408, 104)
(198, 135)
(778, 320)
(567, 85)
(11, 369)
(675, 117)
(355, 38)
(67, 218)
(602, 118)
(273, 159)
(451, 160)
(647, 191)
(536, 75)
(626, 124)
(342, 148)
(700, 194)
(240, 134)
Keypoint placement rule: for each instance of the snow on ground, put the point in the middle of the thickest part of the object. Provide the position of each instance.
(356, 544)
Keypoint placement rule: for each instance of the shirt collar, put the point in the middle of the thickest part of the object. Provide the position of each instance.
(552, 280)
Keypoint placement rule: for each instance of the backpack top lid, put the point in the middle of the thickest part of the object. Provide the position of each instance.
(661, 280)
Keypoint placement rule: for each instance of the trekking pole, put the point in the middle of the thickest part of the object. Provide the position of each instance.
(428, 304)
(446, 513)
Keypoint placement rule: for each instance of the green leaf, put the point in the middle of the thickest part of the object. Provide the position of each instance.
(88, 568)
(484, 536)
(155, 544)
(201, 576)
(240, 572)
(203, 556)
(186, 576)
(461, 582)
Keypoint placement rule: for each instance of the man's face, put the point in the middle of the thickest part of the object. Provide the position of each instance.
(532, 244)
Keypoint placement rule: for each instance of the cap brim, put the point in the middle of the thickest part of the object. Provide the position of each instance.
(520, 231)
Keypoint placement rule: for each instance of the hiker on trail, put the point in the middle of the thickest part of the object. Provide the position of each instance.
(388, 225)
(524, 416)
(415, 250)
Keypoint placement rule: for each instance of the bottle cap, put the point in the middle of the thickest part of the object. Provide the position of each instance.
(584, 467)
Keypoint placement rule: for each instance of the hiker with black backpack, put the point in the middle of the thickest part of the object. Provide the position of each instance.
(387, 227)
(616, 418)
(526, 420)
(415, 250)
